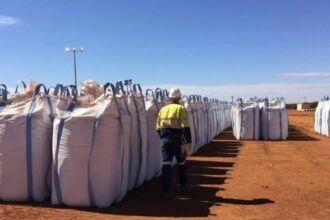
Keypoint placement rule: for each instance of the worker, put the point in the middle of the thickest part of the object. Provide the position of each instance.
(173, 129)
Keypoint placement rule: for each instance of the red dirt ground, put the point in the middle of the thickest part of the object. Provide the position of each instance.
(234, 180)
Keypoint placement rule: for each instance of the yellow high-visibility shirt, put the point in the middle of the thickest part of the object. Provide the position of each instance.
(172, 116)
(173, 125)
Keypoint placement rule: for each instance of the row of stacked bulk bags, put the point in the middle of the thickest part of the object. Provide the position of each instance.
(25, 143)
(88, 149)
(322, 117)
(254, 119)
(207, 118)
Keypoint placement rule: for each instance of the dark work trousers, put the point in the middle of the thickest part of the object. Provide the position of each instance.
(169, 151)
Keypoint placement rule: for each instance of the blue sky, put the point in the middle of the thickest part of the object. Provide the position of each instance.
(206, 45)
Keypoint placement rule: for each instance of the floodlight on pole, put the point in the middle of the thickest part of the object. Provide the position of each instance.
(74, 50)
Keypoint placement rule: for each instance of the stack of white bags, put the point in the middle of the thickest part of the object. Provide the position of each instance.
(89, 150)
(206, 119)
(322, 117)
(256, 119)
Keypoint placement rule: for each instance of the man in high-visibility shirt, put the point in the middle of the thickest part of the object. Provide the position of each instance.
(174, 131)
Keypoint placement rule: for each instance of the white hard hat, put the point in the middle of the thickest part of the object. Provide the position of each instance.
(174, 93)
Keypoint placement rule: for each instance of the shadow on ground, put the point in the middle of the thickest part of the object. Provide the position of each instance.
(296, 134)
(207, 174)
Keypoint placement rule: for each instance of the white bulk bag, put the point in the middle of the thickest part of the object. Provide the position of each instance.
(318, 117)
(195, 141)
(142, 126)
(325, 119)
(88, 152)
(246, 119)
(125, 118)
(25, 146)
(154, 155)
(274, 120)
(138, 137)
(191, 118)
(200, 124)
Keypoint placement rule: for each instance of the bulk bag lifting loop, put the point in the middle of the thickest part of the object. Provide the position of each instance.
(159, 98)
(64, 91)
(3, 93)
(159, 94)
(20, 83)
(192, 98)
(58, 89)
(152, 95)
(138, 90)
(120, 90)
(165, 93)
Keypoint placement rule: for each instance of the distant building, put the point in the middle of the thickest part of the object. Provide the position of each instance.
(304, 107)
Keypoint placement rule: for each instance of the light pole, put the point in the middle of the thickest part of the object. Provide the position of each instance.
(74, 50)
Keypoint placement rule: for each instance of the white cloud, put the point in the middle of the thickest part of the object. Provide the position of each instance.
(7, 21)
(292, 92)
(308, 74)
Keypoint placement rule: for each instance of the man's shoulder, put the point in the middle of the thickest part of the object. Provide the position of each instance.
(173, 105)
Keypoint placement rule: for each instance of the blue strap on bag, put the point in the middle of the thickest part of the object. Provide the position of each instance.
(70, 108)
(97, 117)
(137, 87)
(29, 136)
(113, 90)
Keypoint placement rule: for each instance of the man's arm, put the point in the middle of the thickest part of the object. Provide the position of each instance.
(185, 126)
